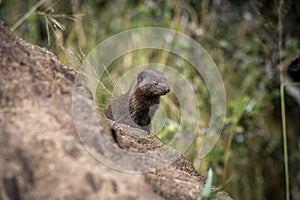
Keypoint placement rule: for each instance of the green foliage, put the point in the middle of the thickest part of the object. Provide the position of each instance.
(239, 109)
(207, 193)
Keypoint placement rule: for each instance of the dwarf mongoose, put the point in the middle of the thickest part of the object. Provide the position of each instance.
(136, 107)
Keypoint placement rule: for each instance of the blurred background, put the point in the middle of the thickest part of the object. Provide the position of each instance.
(255, 45)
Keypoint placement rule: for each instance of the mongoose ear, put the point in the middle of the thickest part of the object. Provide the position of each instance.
(141, 76)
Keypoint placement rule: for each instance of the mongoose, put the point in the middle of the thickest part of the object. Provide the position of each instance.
(136, 107)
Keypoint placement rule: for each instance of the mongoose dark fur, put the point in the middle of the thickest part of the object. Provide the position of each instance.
(136, 107)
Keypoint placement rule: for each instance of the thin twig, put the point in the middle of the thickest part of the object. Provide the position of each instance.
(22, 19)
(282, 102)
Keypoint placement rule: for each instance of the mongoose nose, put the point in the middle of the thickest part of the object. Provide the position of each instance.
(163, 89)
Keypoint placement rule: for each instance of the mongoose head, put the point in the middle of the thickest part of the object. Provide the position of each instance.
(152, 83)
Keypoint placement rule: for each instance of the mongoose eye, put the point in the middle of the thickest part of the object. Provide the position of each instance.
(141, 77)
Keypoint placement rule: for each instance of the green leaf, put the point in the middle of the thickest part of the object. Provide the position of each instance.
(206, 193)
(240, 108)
